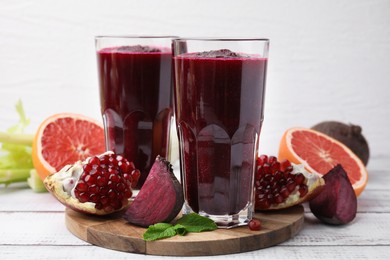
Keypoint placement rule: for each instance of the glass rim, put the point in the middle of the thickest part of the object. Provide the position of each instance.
(136, 37)
(226, 39)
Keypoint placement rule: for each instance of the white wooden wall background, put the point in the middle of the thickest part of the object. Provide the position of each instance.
(329, 60)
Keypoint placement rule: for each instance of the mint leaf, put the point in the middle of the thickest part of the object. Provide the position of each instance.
(180, 229)
(195, 223)
(159, 231)
(188, 223)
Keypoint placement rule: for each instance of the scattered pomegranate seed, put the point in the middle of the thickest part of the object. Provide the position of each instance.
(254, 224)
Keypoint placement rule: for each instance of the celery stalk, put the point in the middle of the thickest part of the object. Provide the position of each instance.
(8, 176)
(15, 151)
(24, 139)
(35, 182)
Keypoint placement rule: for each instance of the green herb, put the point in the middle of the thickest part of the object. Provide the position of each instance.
(159, 231)
(196, 223)
(15, 150)
(188, 223)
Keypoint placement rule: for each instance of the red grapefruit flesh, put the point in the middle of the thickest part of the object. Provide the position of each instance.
(63, 139)
(319, 153)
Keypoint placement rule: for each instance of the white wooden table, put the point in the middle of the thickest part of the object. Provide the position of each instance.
(32, 226)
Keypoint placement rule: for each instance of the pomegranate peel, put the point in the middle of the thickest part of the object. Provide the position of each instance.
(280, 185)
(80, 187)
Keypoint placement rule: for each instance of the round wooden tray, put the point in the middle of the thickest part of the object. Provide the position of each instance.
(115, 233)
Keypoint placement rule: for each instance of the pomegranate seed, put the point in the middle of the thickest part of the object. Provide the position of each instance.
(278, 175)
(303, 190)
(113, 161)
(254, 224)
(127, 193)
(289, 169)
(111, 185)
(93, 171)
(103, 200)
(266, 169)
(101, 181)
(262, 159)
(127, 177)
(270, 198)
(124, 166)
(114, 178)
(284, 165)
(284, 192)
(263, 203)
(93, 189)
(278, 198)
(81, 186)
(83, 197)
(83, 175)
(272, 160)
(135, 174)
(132, 166)
(94, 161)
(77, 193)
(120, 187)
(291, 186)
(104, 159)
(119, 158)
(93, 198)
(299, 178)
(87, 168)
(103, 190)
(99, 205)
(90, 179)
(111, 194)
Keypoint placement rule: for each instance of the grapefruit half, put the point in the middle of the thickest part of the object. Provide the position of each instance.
(319, 153)
(63, 139)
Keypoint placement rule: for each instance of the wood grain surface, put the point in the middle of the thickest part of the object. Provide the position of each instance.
(115, 233)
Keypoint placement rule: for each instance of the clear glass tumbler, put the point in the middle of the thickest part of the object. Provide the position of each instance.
(219, 87)
(135, 79)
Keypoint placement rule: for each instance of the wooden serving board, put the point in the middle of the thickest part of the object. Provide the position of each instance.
(115, 233)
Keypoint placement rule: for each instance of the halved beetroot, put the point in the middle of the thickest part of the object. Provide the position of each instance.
(337, 203)
(160, 198)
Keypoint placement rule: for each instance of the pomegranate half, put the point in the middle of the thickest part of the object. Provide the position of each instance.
(280, 185)
(99, 185)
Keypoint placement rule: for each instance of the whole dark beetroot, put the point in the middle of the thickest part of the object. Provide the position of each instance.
(337, 202)
(348, 134)
(160, 198)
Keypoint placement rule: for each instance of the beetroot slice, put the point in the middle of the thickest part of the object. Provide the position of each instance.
(337, 202)
(160, 198)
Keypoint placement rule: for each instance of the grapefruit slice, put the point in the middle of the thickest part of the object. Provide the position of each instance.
(63, 139)
(319, 153)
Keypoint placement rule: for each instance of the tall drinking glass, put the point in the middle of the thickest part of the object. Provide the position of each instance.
(136, 97)
(219, 89)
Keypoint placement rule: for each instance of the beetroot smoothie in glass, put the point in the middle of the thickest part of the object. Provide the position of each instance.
(136, 105)
(219, 113)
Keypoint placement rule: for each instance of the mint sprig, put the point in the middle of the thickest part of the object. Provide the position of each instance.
(188, 223)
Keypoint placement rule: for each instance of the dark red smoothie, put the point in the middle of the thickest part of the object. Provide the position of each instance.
(135, 93)
(219, 111)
